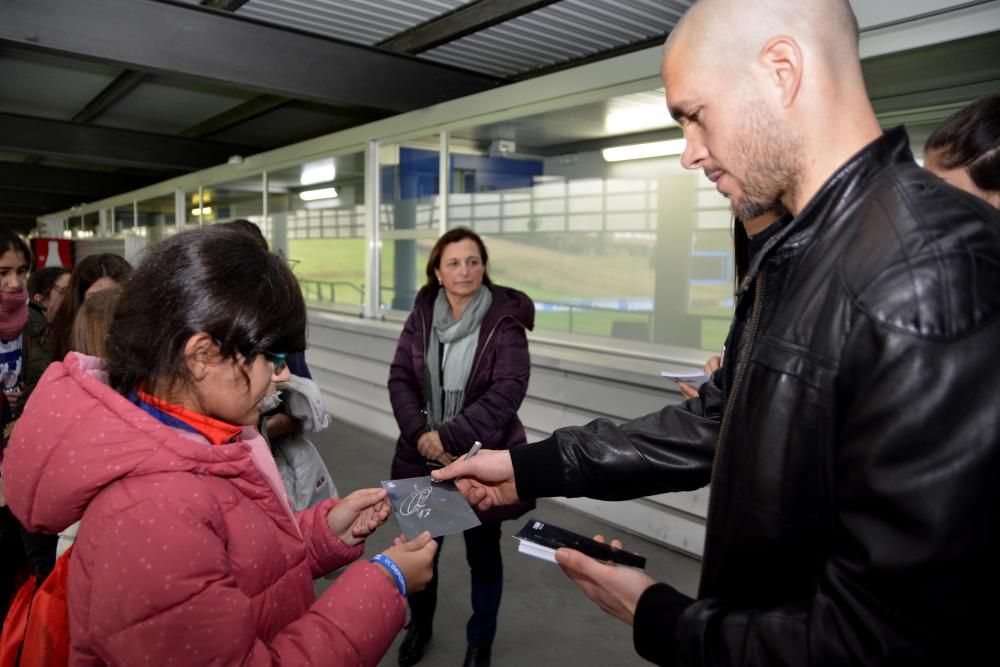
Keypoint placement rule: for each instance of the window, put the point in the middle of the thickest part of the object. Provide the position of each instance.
(636, 249)
(316, 216)
(409, 218)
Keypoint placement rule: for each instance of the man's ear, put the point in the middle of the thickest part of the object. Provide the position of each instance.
(200, 354)
(38, 298)
(782, 59)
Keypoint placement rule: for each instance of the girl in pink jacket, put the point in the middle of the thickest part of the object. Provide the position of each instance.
(188, 552)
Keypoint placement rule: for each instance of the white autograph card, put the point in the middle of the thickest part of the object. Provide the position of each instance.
(420, 504)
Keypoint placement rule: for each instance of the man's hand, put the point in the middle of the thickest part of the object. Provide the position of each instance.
(486, 480)
(687, 390)
(357, 516)
(713, 364)
(615, 588)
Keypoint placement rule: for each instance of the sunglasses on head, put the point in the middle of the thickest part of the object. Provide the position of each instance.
(277, 358)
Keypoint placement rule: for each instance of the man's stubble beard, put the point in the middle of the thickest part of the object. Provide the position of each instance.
(771, 158)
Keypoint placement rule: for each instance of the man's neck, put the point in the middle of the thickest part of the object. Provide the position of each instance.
(836, 140)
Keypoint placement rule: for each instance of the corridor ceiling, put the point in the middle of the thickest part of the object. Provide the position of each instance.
(99, 97)
(103, 96)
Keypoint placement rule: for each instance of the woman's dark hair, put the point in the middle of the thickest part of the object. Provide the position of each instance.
(250, 228)
(41, 281)
(87, 272)
(9, 240)
(214, 280)
(971, 140)
(454, 236)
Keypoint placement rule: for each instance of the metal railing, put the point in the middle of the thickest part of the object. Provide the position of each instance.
(575, 311)
(325, 291)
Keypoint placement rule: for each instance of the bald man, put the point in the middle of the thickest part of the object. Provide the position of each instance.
(852, 444)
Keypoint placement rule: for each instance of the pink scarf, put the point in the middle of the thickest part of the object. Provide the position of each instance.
(13, 313)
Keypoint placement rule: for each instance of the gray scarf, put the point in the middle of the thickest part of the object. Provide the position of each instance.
(447, 377)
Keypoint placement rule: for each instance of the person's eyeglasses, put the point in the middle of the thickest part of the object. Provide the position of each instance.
(60, 289)
(276, 358)
(292, 263)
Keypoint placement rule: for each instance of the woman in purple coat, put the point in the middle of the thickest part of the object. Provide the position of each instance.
(459, 375)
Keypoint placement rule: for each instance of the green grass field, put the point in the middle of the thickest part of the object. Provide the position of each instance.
(543, 274)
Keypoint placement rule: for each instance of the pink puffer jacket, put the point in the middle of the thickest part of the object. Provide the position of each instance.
(185, 554)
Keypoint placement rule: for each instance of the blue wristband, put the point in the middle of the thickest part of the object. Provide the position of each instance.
(394, 570)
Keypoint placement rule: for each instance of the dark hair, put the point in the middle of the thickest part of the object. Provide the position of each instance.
(454, 236)
(87, 272)
(250, 228)
(971, 139)
(741, 250)
(43, 280)
(11, 241)
(214, 280)
(93, 322)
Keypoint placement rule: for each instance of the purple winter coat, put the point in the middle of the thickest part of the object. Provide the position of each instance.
(497, 385)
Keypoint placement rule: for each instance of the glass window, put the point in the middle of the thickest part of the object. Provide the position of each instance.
(195, 211)
(316, 215)
(124, 218)
(157, 216)
(409, 218)
(242, 198)
(624, 244)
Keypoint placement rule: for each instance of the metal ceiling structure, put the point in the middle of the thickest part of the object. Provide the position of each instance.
(102, 96)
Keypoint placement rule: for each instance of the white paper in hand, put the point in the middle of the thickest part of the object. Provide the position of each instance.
(693, 378)
(420, 504)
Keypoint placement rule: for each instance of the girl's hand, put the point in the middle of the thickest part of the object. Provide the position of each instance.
(357, 515)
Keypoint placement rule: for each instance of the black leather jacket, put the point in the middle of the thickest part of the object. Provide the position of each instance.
(852, 439)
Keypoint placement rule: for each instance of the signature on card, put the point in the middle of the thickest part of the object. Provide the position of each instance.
(416, 503)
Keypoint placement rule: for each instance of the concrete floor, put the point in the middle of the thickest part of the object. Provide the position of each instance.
(544, 618)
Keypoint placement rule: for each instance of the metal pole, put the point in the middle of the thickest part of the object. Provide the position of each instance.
(444, 172)
(180, 209)
(372, 299)
(263, 203)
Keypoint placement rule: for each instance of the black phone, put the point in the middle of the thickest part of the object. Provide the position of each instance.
(554, 537)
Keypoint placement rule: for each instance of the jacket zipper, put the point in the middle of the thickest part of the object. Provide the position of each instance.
(737, 382)
(289, 510)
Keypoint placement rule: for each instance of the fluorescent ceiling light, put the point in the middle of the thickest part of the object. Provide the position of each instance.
(644, 151)
(322, 203)
(322, 193)
(206, 210)
(638, 119)
(321, 171)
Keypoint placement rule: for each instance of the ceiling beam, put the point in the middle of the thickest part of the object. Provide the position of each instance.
(44, 201)
(224, 5)
(241, 112)
(105, 145)
(209, 45)
(458, 23)
(83, 183)
(123, 84)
